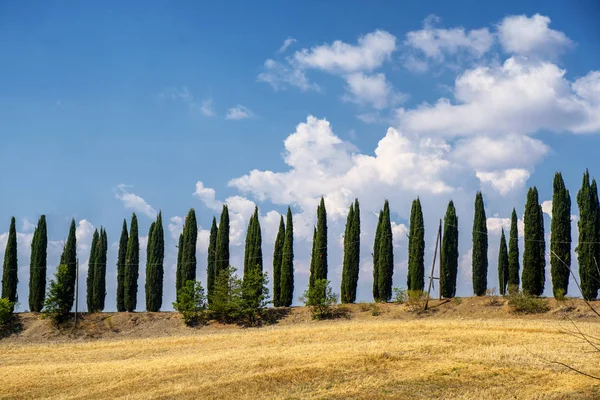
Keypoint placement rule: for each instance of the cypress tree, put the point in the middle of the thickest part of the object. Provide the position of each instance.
(588, 234)
(277, 262)
(313, 257)
(351, 254)
(222, 255)
(513, 253)
(503, 264)
(534, 260)
(376, 246)
(69, 258)
(190, 237)
(154, 265)
(416, 248)
(286, 284)
(596, 240)
(449, 263)
(121, 259)
(10, 277)
(319, 269)
(386, 256)
(248, 244)
(210, 266)
(37, 277)
(100, 272)
(91, 270)
(560, 241)
(179, 272)
(132, 265)
(253, 251)
(480, 247)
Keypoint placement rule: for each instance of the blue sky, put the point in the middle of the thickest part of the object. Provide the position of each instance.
(110, 107)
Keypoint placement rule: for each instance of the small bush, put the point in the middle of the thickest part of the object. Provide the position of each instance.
(320, 299)
(364, 307)
(6, 312)
(527, 304)
(399, 295)
(375, 310)
(560, 295)
(56, 305)
(191, 303)
(415, 300)
(492, 299)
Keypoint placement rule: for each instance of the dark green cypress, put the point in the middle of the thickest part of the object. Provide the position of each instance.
(248, 244)
(154, 265)
(386, 256)
(480, 247)
(257, 255)
(69, 258)
(210, 266)
(190, 237)
(534, 260)
(132, 266)
(376, 246)
(37, 277)
(287, 264)
(513, 253)
(449, 253)
(588, 235)
(351, 254)
(91, 271)
(313, 257)
(100, 274)
(277, 261)
(416, 248)
(10, 277)
(122, 257)
(222, 255)
(503, 265)
(560, 240)
(596, 240)
(319, 269)
(179, 270)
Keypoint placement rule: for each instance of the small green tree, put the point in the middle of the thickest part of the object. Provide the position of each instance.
(226, 292)
(6, 312)
(255, 296)
(320, 299)
(57, 304)
(191, 303)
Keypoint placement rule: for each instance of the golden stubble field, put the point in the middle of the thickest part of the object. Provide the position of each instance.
(360, 358)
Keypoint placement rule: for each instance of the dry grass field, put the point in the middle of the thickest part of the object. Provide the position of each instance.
(471, 351)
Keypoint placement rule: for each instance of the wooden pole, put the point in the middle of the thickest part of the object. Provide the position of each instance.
(76, 291)
(437, 240)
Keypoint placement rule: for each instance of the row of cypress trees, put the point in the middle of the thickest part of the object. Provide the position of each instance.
(283, 263)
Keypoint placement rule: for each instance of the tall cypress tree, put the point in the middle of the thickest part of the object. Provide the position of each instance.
(154, 265)
(277, 261)
(376, 246)
(10, 277)
(253, 251)
(351, 254)
(416, 248)
(534, 260)
(513, 253)
(596, 240)
(121, 260)
(503, 265)
(212, 252)
(69, 258)
(480, 247)
(94, 252)
(222, 255)
(286, 284)
(179, 270)
(386, 256)
(560, 241)
(248, 249)
(449, 263)
(313, 256)
(100, 272)
(319, 269)
(132, 266)
(190, 237)
(37, 277)
(588, 235)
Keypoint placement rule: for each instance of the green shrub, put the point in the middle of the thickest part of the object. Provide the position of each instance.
(6, 312)
(191, 303)
(320, 299)
(399, 295)
(527, 304)
(255, 297)
(57, 303)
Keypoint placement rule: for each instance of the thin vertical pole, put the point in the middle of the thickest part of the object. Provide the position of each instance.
(76, 290)
(437, 240)
(440, 277)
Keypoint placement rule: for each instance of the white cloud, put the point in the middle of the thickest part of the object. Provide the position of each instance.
(287, 43)
(175, 226)
(238, 112)
(434, 43)
(371, 51)
(207, 196)
(524, 35)
(496, 224)
(504, 180)
(547, 207)
(206, 108)
(28, 226)
(373, 90)
(133, 201)
(279, 76)
(399, 232)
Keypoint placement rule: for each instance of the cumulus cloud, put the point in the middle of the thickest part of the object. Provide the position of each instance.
(207, 196)
(280, 76)
(175, 226)
(547, 207)
(238, 112)
(506, 180)
(372, 90)
(287, 43)
(524, 35)
(496, 224)
(133, 201)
